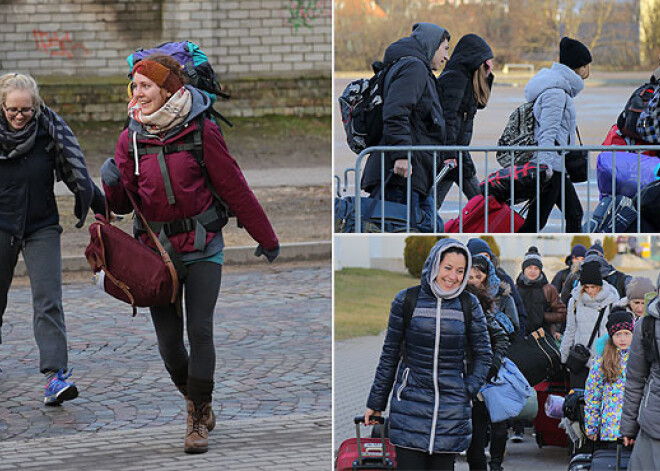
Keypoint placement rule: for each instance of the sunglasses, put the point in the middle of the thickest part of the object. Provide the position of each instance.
(12, 112)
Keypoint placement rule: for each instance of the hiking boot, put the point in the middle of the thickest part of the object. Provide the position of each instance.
(210, 424)
(58, 389)
(197, 435)
(517, 437)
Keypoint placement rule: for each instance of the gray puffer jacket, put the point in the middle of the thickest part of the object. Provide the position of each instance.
(552, 91)
(641, 405)
(581, 317)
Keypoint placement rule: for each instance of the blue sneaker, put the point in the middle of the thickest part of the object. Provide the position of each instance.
(58, 389)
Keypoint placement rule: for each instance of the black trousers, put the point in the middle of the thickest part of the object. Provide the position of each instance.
(476, 453)
(550, 197)
(413, 460)
(194, 371)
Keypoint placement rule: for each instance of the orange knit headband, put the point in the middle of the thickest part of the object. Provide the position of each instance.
(159, 74)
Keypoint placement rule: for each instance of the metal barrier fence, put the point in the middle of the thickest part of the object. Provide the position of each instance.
(439, 150)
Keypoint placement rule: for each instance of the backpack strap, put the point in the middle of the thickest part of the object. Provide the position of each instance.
(409, 304)
(466, 307)
(649, 344)
(601, 313)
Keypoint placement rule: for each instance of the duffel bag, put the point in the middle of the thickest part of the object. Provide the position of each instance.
(506, 395)
(626, 172)
(536, 356)
(132, 272)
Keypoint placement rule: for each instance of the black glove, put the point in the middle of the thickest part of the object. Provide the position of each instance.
(492, 373)
(269, 254)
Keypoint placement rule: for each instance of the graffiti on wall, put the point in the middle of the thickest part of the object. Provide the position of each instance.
(300, 13)
(57, 44)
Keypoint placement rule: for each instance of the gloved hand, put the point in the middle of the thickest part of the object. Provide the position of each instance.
(492, 373)
(269, 254)
(110, 173)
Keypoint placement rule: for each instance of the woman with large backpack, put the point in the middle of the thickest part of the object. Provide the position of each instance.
(156, 161)
(36, 144)
(423, 363)
(552, 91)
(464, 88)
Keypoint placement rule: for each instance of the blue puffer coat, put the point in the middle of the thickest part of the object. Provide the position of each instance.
(430, 409)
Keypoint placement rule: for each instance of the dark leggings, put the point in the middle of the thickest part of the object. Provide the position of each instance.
(202, 286)
(476, 454)
(550, 197)
(413, 460)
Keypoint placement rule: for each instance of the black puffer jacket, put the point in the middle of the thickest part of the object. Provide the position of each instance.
(457, 98)
(411, 108)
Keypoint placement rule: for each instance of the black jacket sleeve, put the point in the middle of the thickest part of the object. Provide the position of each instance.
(452, 87)
(405, 88)
(499, 341)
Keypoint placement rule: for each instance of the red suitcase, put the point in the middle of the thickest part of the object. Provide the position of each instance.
(365, 453)
(474, 214)
(547, 429)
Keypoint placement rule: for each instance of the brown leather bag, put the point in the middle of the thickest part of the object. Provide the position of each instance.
(134, 273)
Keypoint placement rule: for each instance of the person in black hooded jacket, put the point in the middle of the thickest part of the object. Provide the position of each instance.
(464, 87)
(411, 116)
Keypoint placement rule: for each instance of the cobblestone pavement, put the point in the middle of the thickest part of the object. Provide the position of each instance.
(272, 335)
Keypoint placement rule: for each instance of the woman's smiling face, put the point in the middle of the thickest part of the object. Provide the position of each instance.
(149, 96)
(451, 271)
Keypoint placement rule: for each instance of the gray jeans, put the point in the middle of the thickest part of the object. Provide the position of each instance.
(43, 259)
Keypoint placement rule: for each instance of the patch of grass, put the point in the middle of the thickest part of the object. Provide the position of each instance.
(363, 298)
(282, 127)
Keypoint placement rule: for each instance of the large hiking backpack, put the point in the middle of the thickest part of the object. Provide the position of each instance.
(361, 107)
(519, 131)
(638, 101)
(196, 67)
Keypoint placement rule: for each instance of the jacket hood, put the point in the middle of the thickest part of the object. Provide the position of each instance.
(505, 289)
(470, 52)
(599, 344)
(422, 44)
(608, 291)
(430, 269)
(605, 268)
(558, 76)
(200, 103)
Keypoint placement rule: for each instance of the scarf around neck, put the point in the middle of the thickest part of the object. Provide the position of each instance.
(13, 143)
(171, 114)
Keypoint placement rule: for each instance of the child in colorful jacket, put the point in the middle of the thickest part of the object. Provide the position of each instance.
(605, 385)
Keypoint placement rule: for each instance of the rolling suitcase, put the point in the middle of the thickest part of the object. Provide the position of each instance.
(365, 453)
(474, 215)
(606, 459)
(547, 429)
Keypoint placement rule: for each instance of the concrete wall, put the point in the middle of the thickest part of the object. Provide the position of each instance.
(93, 37)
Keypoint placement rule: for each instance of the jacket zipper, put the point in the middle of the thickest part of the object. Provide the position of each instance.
(435, 376)
(404, 383)
(648, 393)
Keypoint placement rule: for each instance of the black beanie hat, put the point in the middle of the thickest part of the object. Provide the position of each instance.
(573, 54)
(532, 257)
(620, 319)
(590, 274)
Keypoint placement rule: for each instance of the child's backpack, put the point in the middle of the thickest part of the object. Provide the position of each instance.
(361, 107)
(519, 131)
(638, 101)
(196, 67)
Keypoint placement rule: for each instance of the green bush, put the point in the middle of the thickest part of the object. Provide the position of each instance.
(416, 252)
(581, 239)
(610, 248)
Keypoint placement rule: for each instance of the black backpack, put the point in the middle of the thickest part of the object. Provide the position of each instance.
(361, 107)
(649, 345)
(409, 307)
(638, 101)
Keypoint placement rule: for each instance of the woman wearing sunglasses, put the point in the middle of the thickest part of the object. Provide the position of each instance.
(35, 145)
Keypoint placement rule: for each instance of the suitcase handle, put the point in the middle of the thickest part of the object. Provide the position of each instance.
(359, 419)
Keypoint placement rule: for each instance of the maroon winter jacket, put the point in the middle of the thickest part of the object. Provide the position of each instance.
(190, 191)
